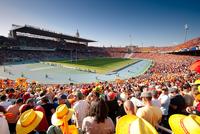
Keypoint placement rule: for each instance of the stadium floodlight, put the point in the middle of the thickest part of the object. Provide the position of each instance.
(130, 36)
(186, 31)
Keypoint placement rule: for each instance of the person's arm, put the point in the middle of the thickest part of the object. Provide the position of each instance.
(4, 126)
(84, 126)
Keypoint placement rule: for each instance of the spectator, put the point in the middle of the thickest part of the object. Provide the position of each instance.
(48, 107)
(98, 121)
(155, 101)
(150, 113)
(60, 120)
(4, 124)
(112, 106)
(28, 121)
(124, 122)
(62, 99)
(165, 101)
(13, 111)
(177, 102)
(195, 109)
(81, 108)
(4, 102)
(43, 126)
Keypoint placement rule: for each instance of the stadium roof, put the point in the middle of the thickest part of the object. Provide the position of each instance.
(42, 32)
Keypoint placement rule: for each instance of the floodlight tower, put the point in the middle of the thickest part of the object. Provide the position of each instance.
(186, 31)
(130, 36)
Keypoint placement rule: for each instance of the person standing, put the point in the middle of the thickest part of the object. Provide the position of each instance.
(13, 111)
(81, 108)
(177, 102)
(98, 121)
(164, 101)
(150, 113)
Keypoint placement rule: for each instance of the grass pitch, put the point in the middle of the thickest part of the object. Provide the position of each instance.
(98, 65)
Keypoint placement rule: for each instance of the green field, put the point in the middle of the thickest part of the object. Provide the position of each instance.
(98, 65)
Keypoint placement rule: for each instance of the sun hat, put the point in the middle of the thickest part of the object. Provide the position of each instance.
(197, 82)
(197, 97)
(61, 111)
(28, 121)
(123, 123)
(141, 126)
(181, 124)
(112, 95)
(84, 91)
(97, 89)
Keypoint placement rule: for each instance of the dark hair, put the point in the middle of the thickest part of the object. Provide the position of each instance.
(3, 97)
(2, 109)
(20, 100)
(12, 90)
(99, 110)
(8, 90)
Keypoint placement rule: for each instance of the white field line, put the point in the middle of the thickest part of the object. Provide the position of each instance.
(40, 68)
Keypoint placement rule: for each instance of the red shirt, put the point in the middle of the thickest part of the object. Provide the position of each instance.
(43, 126)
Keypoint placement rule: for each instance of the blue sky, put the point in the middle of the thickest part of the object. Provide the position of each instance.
(110, 22)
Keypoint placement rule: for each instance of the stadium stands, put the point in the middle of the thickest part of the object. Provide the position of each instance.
(168, 72)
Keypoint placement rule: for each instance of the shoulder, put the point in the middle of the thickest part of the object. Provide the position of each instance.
(141, 111)
(109, 119)
(88, 119)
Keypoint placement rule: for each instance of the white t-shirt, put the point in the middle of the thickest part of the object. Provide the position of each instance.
(165, 101)
(156, 102)
(90, 126)
(81, 107)
(4, 126)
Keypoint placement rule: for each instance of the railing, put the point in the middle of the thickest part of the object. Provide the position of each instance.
(164, 129)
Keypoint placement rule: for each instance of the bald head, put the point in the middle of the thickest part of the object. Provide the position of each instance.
(129, 107)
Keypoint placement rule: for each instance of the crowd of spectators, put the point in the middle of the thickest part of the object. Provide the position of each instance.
(150, 100)
(10, 56)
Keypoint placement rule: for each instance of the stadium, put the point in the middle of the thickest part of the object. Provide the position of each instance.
(53, 58)
(47, 66)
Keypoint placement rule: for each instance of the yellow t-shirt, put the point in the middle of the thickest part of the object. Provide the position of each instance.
(152, 114)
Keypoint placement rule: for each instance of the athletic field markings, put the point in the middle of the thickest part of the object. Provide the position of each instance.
(40, 68)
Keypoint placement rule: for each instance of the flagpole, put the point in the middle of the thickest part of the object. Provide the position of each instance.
(186, 32)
